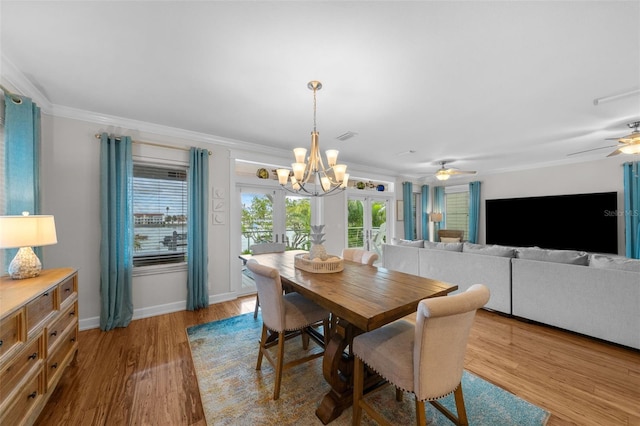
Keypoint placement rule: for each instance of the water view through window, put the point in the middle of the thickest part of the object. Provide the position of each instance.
(160, 215)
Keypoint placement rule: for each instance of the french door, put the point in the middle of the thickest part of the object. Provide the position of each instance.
(261, 216)
(367, 222)
(272, 215)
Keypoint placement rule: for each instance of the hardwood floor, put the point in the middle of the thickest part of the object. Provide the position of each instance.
(143, 374)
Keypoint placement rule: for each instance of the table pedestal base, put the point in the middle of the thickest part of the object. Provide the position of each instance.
(337, 368)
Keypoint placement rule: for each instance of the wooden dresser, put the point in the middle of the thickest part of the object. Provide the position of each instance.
(38, 339)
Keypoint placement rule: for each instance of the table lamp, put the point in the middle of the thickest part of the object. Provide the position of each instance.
(24, 232)
(435, 217)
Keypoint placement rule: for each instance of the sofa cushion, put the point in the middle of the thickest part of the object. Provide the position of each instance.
(408, 243)
(614, 262)
(491, 250)
(557, 256)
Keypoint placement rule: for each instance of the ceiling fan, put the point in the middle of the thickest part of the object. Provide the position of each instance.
(630, 143)
(444, 173)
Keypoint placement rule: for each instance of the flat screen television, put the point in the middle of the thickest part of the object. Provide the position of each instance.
(586, 222)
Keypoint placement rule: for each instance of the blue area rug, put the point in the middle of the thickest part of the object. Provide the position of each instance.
(233, 392)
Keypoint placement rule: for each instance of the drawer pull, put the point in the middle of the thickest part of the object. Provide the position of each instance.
(72, 313)
(55, 365)
(67, 290)
(33, 395)
(73, 339)
(53, 334)
(45, 294)
(33, 355)
(0, 342)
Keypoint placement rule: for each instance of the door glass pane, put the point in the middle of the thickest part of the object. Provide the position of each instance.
(298, 222)
(257, 219)
(355, 223)
(378, 225)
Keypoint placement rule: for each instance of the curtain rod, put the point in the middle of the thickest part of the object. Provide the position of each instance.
(160, 145)
(15, 98)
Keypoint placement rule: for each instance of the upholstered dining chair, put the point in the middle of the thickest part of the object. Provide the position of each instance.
(426, 359)
(448, 234)
(359, 255)
(284, 314)
(261, 248)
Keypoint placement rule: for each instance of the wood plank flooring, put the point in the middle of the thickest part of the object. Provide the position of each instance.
(143, 374)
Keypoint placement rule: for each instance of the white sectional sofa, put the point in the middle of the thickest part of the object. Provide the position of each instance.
(591, 294)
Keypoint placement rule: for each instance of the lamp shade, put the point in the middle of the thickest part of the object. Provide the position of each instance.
(27, 231)
(435, 217)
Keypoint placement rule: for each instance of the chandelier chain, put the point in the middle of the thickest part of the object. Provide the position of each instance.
(314, 108)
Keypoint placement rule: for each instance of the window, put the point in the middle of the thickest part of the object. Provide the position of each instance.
(456, 200)
(159, 214)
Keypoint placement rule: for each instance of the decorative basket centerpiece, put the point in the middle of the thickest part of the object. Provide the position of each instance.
(317, 260)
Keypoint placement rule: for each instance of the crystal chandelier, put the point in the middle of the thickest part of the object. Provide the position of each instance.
(310, 177)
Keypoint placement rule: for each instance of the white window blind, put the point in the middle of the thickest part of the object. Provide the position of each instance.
(457, 211)
(159, 214)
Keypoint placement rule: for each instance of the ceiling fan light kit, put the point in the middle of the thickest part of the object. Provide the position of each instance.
(444, 174)
(631, 142)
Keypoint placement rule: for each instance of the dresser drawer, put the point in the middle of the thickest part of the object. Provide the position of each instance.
(62, 323)
(18, 366)
(39, 331)
(58, 359)
(24, 401)
(68, 288)
(12, 331)
(41, 308)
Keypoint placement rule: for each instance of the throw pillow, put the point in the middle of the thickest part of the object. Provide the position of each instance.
(408, 243)
(449, 246)
(449, 240)
(614, 262)
(492, 250)
(571, 257)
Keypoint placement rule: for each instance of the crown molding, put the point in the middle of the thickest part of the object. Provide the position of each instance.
(13, 77)
(141, 126)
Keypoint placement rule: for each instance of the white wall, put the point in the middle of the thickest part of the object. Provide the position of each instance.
(70, 190)
(603, 175)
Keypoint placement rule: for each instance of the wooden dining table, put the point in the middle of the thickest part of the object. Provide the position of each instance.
(360, 298)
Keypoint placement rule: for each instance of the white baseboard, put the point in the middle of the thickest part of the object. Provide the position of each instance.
(152, 311)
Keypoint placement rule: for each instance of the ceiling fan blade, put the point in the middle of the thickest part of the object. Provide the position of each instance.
(461, 172)
(592, 149)
(630, 139)
(616, 152)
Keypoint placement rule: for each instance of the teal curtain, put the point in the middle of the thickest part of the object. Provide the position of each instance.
(116, 222)
(438, 207)
(407, 200)
(197, 254)
(631, 175)
(425, 215)
(22, 160)
(474, 211)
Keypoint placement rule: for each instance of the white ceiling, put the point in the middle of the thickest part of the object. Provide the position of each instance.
(495, 86)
